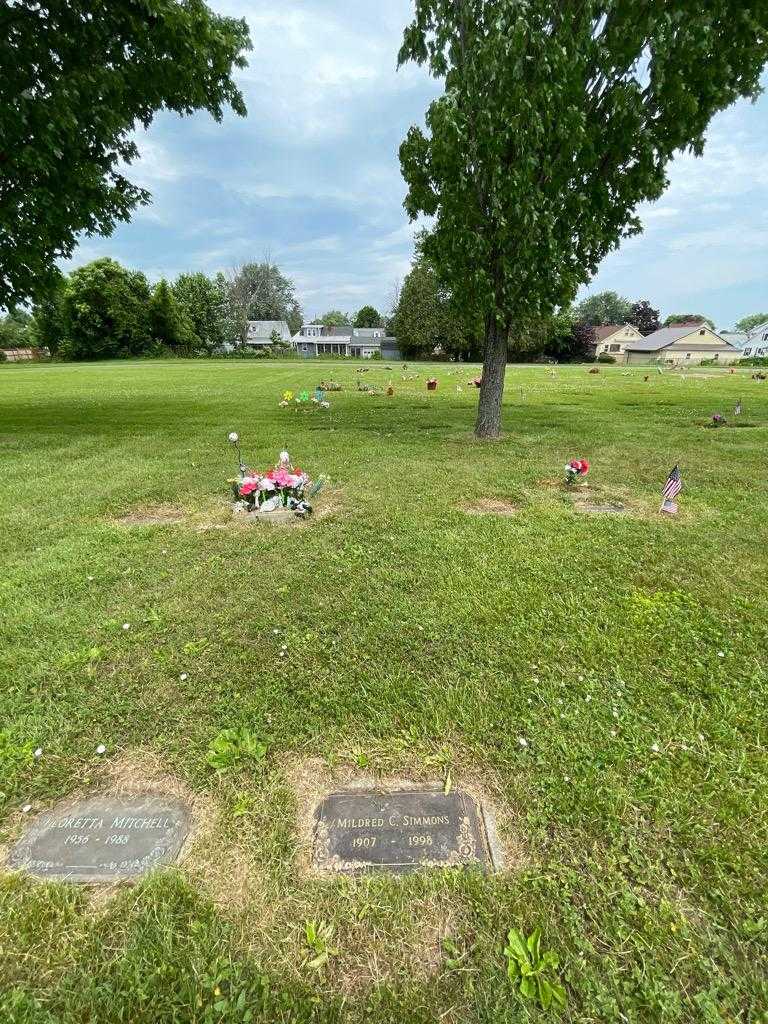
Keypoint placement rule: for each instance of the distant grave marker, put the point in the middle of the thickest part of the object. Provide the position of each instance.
(103, 839)
(408, 830)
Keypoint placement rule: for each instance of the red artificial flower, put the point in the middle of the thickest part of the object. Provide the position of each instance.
(580, 465)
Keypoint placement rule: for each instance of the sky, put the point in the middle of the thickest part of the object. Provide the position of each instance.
(311, 178)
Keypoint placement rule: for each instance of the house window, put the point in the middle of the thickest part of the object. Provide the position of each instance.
(615, 348)
(687, 355)
(702, 331)
(747, 351)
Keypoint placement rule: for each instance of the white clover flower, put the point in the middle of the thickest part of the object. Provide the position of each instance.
(26, 808)
(101, 749)
(282, 654)
(581, 679)
(184, 676)
(126, 625)
(613, 732)
(588, 698)
(566, 778)
(275, 631)
(233, 437)
(90, 579)
(38, 752)
(655, 748)
(701, 737)
(721, 654)
(522, 741)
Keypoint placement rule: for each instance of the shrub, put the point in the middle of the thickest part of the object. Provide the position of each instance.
(754, 361)
(3, 356)
(605, 358)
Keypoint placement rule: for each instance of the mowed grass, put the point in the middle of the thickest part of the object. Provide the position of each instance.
(628, 652)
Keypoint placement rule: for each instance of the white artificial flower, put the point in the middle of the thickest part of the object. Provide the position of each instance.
(233, 437)
(285, 457)
(101, 749)
(325, 405)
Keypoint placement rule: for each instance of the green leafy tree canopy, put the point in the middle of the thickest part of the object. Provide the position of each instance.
(169, 323)
(368, 316)
(259, 291)
(334, 318)
(557, 120)
(76, 78)
(203, 301)
(644, 317)
(678, 319)
(105, 312)
(748, 322)
(604, 308)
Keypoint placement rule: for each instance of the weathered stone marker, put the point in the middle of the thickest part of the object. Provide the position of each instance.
(402, 831)
(103, 839)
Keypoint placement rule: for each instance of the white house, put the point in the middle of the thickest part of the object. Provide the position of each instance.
(261, 333)
(756, 345)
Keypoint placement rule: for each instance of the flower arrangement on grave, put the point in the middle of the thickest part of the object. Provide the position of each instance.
(575, 469)
(718, 420)
(303, 400)
(284, 486)
(432, 384)
(330, 385)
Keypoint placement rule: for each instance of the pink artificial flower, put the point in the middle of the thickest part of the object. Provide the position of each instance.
(266, 485)
(248, 487)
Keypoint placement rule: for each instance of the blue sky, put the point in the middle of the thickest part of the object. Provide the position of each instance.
(311, 177)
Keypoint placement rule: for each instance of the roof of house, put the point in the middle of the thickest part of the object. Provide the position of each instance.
(264, 328)
(736, 338)
(606, 330)
(667, 336)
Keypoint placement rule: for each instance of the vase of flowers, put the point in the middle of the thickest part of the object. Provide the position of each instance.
(432, 384)
(575, 470)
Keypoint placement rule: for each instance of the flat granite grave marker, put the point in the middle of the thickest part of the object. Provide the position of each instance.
(403, 831)
(103, 839)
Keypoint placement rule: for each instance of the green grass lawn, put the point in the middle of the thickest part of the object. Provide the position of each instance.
(628, 651)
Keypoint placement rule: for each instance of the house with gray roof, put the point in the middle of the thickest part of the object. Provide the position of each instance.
(359, 342)
(262, 333)
(681, 345)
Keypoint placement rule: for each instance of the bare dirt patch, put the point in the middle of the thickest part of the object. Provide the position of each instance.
(489, 507)
(329, 506)
(597, 507)
(163, 515)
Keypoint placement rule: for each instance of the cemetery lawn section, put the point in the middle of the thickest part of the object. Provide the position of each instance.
(600, 679)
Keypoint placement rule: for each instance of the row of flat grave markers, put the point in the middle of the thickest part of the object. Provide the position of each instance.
(110, 838)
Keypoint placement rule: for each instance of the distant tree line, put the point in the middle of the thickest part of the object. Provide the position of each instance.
(429, 321)
(105, 311)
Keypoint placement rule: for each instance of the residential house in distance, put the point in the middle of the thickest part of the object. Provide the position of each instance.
(681, 345)
(756, 342)
(359, 342)
(612, 339)
(261, 333)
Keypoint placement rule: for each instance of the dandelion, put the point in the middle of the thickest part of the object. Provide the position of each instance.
(101, 749)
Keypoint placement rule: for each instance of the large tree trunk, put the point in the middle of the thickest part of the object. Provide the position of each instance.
(488, 423)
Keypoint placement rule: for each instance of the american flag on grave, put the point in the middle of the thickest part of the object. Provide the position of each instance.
(737, 410)
(672, 488)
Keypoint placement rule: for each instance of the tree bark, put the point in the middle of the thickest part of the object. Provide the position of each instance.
(488, 423)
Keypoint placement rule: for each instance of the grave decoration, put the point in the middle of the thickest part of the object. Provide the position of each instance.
(432, 384)
(390, 389)
(281, 493)
(718, 420)
(330, 385)
(575, 470)
(477, 382)
(303, 402)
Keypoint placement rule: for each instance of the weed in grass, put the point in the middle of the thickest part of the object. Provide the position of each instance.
(531, 970)
(233, 748)
(318, 936)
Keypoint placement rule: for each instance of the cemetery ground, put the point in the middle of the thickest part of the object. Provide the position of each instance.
(599, 679)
